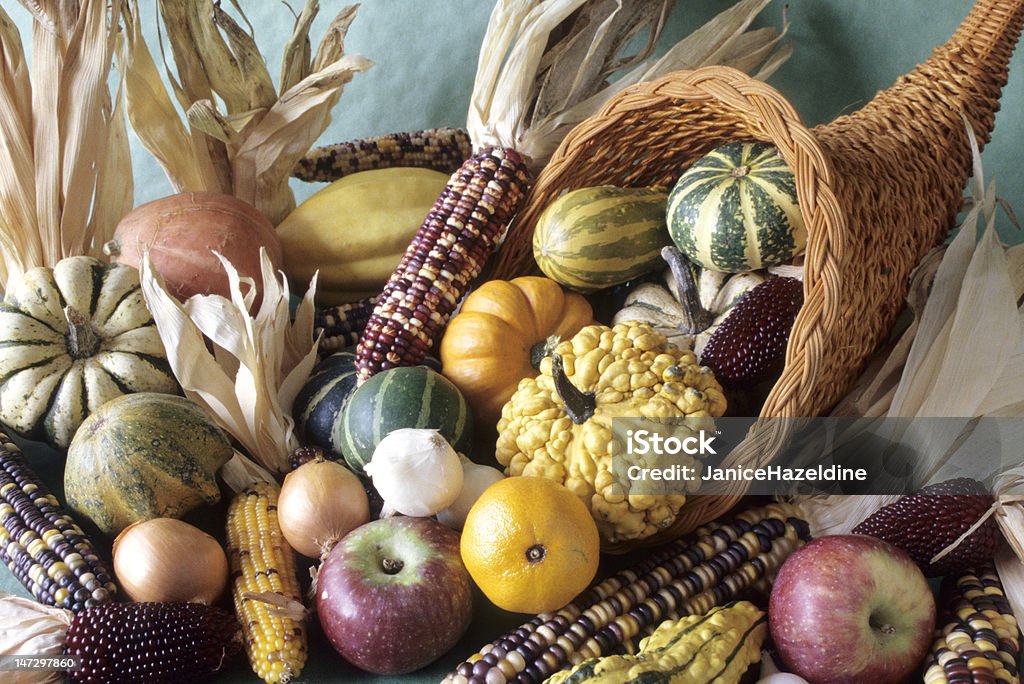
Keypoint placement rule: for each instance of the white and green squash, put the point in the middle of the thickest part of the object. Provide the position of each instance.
(736, 209)
(689, 303)
(73, 337)
(593, 238)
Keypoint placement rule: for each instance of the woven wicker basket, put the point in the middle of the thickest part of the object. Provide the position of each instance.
(877, 188)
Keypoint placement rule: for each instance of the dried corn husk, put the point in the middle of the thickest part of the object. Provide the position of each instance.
(28, 627)
(260, 359)
(532, 45)
(67, 169)
(240, 135)
(962, 357)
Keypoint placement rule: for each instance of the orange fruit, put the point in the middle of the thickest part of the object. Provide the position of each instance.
(530, 544)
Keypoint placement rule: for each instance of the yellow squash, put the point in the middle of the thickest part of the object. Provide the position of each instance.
(559, 425)
(355, 230)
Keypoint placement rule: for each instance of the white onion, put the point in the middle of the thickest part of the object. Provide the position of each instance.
(782, 678)
(475, 479)
(416, 472)
(320, 502)
(164, 559)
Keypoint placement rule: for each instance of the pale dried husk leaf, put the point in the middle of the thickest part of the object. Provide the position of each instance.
(259, 359)
(242, 136)
(516, 50)
(28, 627)
(57, 124)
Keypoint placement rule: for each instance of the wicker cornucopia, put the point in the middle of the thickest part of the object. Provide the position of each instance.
(878, 188)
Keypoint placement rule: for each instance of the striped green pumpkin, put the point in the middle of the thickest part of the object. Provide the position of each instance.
(736, 209)
(403, 397)
(592, 238)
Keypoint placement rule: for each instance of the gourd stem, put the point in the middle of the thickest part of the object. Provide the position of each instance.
(82, 340)
(541, 350)
(698, 319)
(579, 406)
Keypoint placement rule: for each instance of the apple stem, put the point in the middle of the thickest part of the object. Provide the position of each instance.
(392, 566)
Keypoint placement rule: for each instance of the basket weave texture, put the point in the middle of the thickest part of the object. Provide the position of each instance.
(877, 189)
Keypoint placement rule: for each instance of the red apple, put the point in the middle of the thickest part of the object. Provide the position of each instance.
(393, 594)
(850, 609)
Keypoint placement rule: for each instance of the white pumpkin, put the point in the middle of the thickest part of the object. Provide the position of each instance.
(73, 337)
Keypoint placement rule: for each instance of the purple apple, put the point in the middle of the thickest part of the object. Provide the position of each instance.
(850, 609)
(393, 594)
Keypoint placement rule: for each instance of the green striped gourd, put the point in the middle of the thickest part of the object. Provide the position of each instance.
(403, 397)
(735, 209)
(596, 237)
(142, 456)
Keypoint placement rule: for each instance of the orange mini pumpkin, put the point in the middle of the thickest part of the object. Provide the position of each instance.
(499, 337)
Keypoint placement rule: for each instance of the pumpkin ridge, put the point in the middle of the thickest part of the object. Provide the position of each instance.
(127, 294)
(29, 366)
(7, 309)
(155, 362)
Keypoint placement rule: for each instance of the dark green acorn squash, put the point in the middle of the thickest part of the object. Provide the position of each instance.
(143, 456)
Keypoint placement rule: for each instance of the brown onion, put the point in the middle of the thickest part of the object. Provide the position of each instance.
(164, 559)
(320, 502)
(183, 231)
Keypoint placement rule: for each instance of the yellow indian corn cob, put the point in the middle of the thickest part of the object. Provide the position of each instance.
(441, 149)
(977, 639)
(265, 587)
(448, 252)
(687, 577)
(42, 545)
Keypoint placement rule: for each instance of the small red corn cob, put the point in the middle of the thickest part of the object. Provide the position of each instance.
(925, 523)
(444, 257)
(749, 346)
(341, 326)
(152, 643)
(441, 149)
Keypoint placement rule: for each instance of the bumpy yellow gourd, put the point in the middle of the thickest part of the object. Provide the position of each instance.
(355, 230)
(559, 425)
(716, 648)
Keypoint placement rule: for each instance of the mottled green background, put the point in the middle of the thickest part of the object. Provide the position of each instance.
(425, 53)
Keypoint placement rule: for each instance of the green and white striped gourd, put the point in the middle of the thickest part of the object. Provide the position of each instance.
(402, 397)
(735, 209)
(593, 238)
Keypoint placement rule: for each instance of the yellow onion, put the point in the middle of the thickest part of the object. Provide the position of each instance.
(320, 502)
(164, 559)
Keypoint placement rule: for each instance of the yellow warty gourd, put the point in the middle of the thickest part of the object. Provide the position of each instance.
(716, 648)
(559, 425)
(355, 230)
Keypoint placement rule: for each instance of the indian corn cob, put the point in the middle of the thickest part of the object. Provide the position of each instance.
(687, 577)
(42, 545)
(715, 648)
(341, 326)
(446, 255)
(441, 149)
(977, 639)
(265, 587)
(932, 519)
(155, 643)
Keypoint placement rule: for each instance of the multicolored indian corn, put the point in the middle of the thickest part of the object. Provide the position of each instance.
(446, 255)
(41, 543)
(441, 149)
